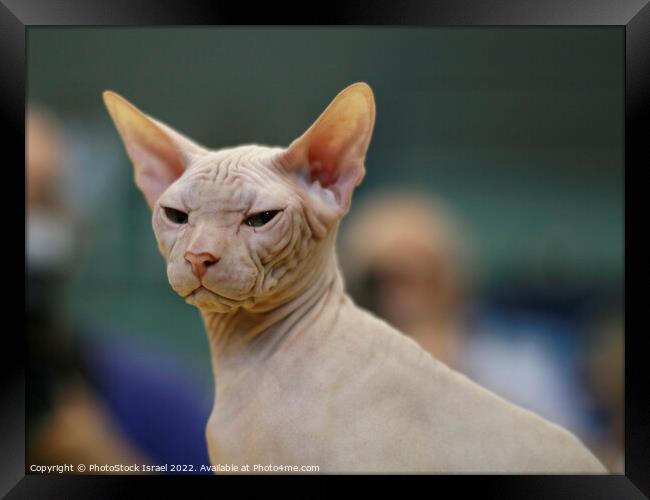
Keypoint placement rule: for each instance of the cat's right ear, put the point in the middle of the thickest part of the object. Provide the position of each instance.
(330, 155)
(159, 154)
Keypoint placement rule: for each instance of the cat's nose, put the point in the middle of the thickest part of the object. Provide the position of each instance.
(200, 262)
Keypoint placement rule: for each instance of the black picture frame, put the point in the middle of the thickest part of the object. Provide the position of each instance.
(16, 16)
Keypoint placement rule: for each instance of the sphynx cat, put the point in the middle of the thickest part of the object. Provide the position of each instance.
(303, 375)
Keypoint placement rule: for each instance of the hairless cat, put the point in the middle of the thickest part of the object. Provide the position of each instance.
(303, 375)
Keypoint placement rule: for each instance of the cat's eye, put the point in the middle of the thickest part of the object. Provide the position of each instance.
(176, 216)
(261, 218)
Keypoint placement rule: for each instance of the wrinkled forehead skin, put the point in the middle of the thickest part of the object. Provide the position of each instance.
(231, 180)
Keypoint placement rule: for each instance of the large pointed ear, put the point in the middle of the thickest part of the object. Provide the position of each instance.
(332, 151)
(159, 153)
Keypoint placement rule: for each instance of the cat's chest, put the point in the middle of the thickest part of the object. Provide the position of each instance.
(279, 423)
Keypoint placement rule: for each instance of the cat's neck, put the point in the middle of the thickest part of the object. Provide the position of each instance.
(243, 340)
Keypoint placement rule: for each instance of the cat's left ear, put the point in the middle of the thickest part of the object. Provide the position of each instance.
(332, 151)
(159, 154)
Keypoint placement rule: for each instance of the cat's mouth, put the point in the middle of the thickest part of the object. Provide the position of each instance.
(204, 289)
(204, 298)
(197, 290)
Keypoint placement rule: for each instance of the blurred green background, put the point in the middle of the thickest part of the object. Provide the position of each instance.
(520, 130)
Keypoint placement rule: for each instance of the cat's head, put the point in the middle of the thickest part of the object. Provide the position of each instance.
(248, 226)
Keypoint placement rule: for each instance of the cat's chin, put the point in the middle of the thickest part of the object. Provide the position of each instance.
(209, 301)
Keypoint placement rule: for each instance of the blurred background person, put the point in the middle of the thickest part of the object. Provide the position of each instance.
(90, 400)
(67, 423)
(405, 259)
